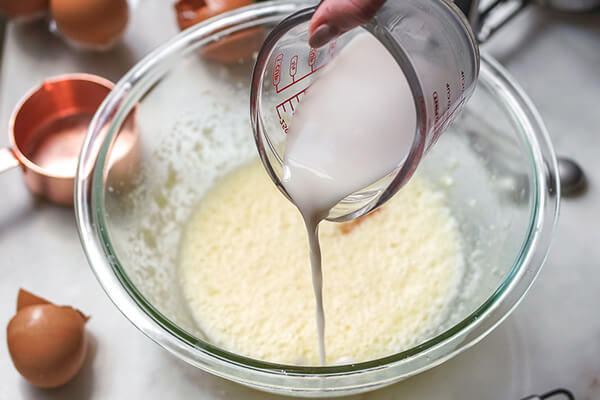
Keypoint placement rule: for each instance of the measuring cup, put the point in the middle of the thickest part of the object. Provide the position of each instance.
(46, 131)
(431, 41)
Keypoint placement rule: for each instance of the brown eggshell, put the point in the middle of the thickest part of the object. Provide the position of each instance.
(26, 299)
(47, 343)
(233, 48)
(91, 23)
(23, 8)
(190, 12)
(236, 47)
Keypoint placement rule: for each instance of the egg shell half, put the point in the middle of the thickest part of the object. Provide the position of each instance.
(93, 24)
(47, 343)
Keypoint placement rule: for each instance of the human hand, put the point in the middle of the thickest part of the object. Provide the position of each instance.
(334, 17)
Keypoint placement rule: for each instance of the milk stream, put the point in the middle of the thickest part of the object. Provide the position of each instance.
(355, 125)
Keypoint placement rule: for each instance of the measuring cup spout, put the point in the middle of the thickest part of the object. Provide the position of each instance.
(7, 160)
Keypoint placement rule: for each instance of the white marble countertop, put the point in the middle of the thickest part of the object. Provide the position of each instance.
(552, 339)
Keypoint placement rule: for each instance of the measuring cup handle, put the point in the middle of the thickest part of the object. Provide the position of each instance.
(7, 159)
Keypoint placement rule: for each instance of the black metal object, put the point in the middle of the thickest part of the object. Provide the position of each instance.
(486, 28)
(557, 394)
(572, 178)
(482, 25)
(467, 5)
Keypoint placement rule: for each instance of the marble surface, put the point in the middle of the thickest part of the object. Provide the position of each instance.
(551, 340)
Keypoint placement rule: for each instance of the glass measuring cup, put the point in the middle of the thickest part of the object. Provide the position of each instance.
(432, 43)
(46, 131)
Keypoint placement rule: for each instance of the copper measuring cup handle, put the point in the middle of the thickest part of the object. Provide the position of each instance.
(8, 160)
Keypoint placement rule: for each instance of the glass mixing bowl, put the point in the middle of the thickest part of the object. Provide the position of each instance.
(495, 163)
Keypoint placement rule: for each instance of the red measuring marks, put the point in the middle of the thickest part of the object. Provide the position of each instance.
(297, 72)
(312, 58)
(293, 68)
(442, 121)
(277, 70)
(287, 106)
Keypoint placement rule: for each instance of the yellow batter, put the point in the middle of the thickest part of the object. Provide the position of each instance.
(388, 277)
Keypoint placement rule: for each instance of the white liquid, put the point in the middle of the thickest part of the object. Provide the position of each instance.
(354, 126)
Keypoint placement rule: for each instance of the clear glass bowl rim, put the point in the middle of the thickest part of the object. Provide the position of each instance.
(89, 198)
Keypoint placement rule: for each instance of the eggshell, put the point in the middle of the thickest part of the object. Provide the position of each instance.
(190, 12)
(26, 299)
(236, 47)
(231, 49)
(94, 24)
(47, 343)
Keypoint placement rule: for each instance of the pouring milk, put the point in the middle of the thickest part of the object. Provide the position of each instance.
(354, 126)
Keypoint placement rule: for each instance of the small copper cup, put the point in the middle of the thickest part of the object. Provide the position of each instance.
(47, 129)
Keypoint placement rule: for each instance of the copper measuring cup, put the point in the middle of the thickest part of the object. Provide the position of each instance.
(46, 131)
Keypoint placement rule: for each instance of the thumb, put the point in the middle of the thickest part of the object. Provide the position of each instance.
(334, 17)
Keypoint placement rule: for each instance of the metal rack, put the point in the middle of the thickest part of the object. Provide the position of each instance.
(555, 394)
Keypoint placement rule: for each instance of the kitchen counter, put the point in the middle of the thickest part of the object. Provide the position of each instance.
(552, 339)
